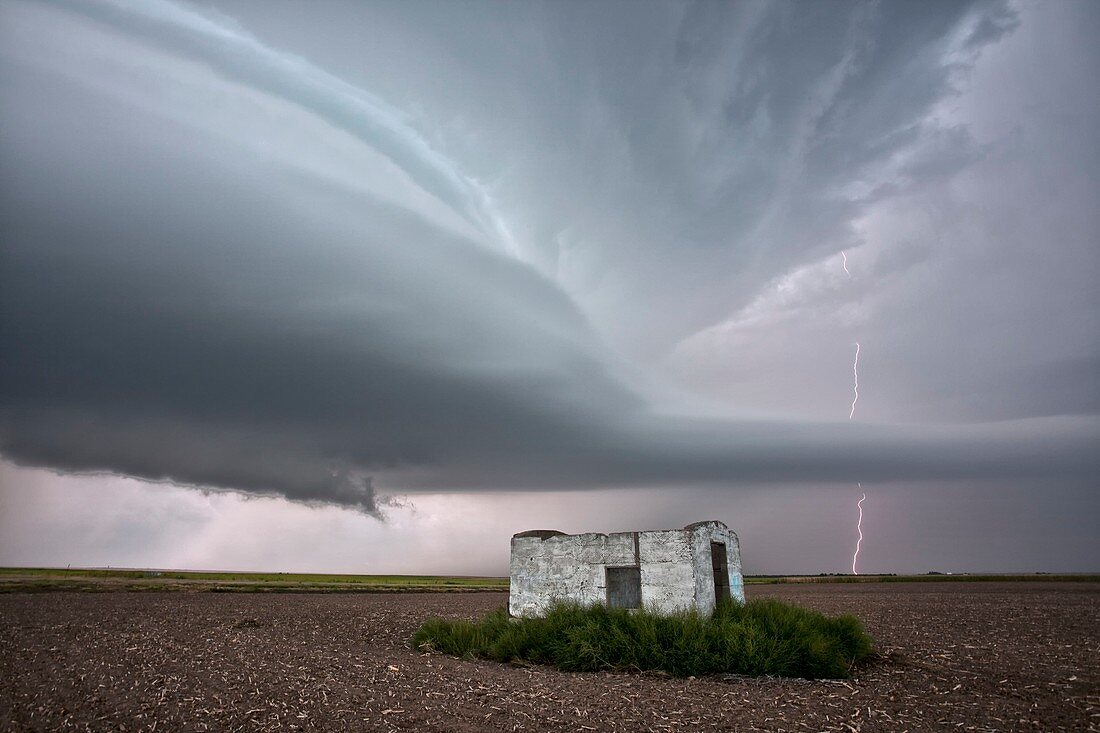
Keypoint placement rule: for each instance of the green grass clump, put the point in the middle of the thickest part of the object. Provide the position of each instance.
(761, 637)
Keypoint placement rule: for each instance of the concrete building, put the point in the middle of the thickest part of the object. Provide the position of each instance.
(663, 570)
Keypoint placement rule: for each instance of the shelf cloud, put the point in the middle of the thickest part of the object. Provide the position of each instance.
(224, 266)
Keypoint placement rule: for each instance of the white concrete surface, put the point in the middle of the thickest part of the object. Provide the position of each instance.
(675, 567)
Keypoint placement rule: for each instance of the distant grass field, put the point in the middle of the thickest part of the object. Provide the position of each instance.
(24, 580)
(925, 578)
(29, 580)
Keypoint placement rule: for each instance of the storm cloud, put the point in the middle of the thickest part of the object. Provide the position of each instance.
(577, 258)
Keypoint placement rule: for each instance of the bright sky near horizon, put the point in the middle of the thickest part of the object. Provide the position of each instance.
(369, 287)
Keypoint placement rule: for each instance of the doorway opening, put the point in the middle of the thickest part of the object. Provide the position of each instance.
(720, 568)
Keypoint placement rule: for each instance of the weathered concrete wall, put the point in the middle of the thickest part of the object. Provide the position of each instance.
(668, 572)
(563, 567)
(702, 534)
(675, 567)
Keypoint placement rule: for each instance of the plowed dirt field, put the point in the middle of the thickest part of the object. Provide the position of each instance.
(953, 657)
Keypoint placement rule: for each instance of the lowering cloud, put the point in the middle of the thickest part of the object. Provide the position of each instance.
(223, 266)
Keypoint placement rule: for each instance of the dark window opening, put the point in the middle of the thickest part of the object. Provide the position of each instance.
(624, 587)
(721, 572)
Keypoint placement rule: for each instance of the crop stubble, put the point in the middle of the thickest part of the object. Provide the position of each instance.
(954, 656)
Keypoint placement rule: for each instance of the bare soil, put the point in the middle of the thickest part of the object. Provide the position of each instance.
(953, 656)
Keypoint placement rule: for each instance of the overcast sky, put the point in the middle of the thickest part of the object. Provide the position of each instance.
(370, 287)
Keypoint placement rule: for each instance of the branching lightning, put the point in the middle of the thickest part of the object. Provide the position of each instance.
(855, 383)
(852, 414)
(859, 529)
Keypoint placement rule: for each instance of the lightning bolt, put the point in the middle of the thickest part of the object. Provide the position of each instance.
(859, 528)
(852, 414)
(855, 383)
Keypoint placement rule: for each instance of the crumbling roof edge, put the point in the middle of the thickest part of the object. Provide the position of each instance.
(543, 534)
(695, 525)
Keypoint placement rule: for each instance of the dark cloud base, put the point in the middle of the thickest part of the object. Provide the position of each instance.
(177, 308)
